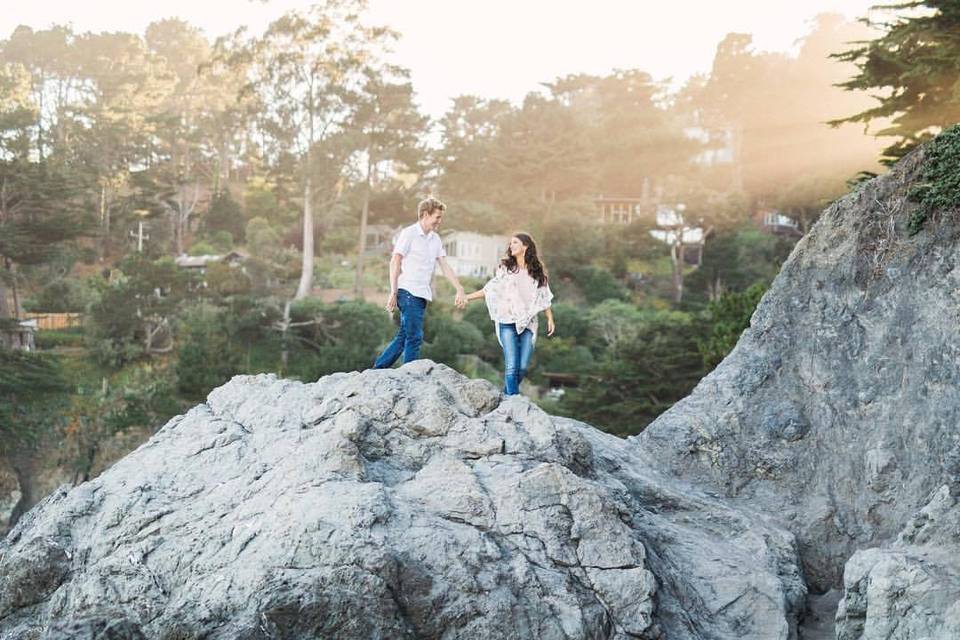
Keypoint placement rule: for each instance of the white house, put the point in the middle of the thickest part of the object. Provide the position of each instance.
(474, 254)
(674, 231)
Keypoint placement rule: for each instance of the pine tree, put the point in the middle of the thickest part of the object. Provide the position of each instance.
(919, 59)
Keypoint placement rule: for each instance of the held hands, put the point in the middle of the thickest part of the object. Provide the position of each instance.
(460, 300)
(391, 302)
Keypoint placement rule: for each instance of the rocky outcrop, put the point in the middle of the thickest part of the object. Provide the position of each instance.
(910, 588)
(413, 503)
(836, 412)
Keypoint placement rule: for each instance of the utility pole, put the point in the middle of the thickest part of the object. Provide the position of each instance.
(139, 235)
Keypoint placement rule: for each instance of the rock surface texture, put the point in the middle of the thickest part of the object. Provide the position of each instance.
(837, 413)
(910, 588)
(390, 504)
(819, 463)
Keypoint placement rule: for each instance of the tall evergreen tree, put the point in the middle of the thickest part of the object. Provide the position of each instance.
(304, 69)
(916, 62)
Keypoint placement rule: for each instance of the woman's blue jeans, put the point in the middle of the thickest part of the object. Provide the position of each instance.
(410, 334)
(517, 349)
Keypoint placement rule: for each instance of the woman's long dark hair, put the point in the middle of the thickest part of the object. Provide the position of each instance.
(535, 266)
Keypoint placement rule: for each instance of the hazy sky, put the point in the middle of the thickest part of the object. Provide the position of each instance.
(493, 48)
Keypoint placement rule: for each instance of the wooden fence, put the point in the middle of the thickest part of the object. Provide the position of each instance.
(49, 321)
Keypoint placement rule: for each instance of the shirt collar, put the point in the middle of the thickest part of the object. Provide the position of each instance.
(423, 234)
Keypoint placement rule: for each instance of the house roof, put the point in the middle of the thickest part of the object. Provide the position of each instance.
(195, 261)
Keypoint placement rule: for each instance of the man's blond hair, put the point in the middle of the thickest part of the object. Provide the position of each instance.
(428, 205)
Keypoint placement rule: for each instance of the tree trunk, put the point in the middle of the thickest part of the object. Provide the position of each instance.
(364, 214)
(4, 305)
(177, 233)
(306, 265)
(16, 293)
(306, 270)
(677, 256)
(284, 339)
(223, 178)
(5, 310)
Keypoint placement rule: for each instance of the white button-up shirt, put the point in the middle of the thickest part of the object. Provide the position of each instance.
(420, 252)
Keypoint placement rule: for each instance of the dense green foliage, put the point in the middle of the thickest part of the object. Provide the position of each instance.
(939, 186)
(641, 375)
(726, 318)
(121, 154)
(207, 355)
(31, 390)
(918, 57)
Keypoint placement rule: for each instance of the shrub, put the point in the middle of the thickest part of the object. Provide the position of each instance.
(939, 186)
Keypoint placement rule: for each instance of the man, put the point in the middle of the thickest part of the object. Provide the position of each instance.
(417, 252)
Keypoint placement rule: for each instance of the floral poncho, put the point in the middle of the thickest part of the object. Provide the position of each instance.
(516, 298)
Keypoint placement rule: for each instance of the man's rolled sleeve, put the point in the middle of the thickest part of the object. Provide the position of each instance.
(403, 242)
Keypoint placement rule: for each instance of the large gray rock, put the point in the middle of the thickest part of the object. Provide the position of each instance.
(837, 411)
(413, 503)
(910, 589)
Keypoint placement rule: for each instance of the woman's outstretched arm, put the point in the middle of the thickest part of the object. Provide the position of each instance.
(476, 295)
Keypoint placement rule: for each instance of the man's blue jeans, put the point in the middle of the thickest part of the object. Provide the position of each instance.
(410, 334)
(517, 349)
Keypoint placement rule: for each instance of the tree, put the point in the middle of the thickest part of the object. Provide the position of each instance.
(632, 138)
(41, 215)
(725, 319)
(17, 111)
(392, 133)
(337, 337)
(304, 69)
(133, 316)
(640, 377)
(48, 59)
(543, 154)
(768, 112)
(446, 338)
(118, 119)
(225, 214)
(916, 63)
(734, 260)
(32, 394)
(141, 396)
(469, 132)
(183, 147)
(206, 355)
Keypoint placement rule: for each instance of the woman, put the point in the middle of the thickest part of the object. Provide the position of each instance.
(515, 295)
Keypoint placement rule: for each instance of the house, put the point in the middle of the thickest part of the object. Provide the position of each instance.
(772, 221)
(558, 383)
(380, 237)
(18, 335)
(200, 263)
(620, 209)
(474, 254)
(674, 231)
(195, 263)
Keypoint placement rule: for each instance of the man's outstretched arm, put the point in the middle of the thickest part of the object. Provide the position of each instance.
(395, 261)
(448, 273)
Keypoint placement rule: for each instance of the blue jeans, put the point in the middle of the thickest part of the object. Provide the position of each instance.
(410, 334)
(517, 349)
